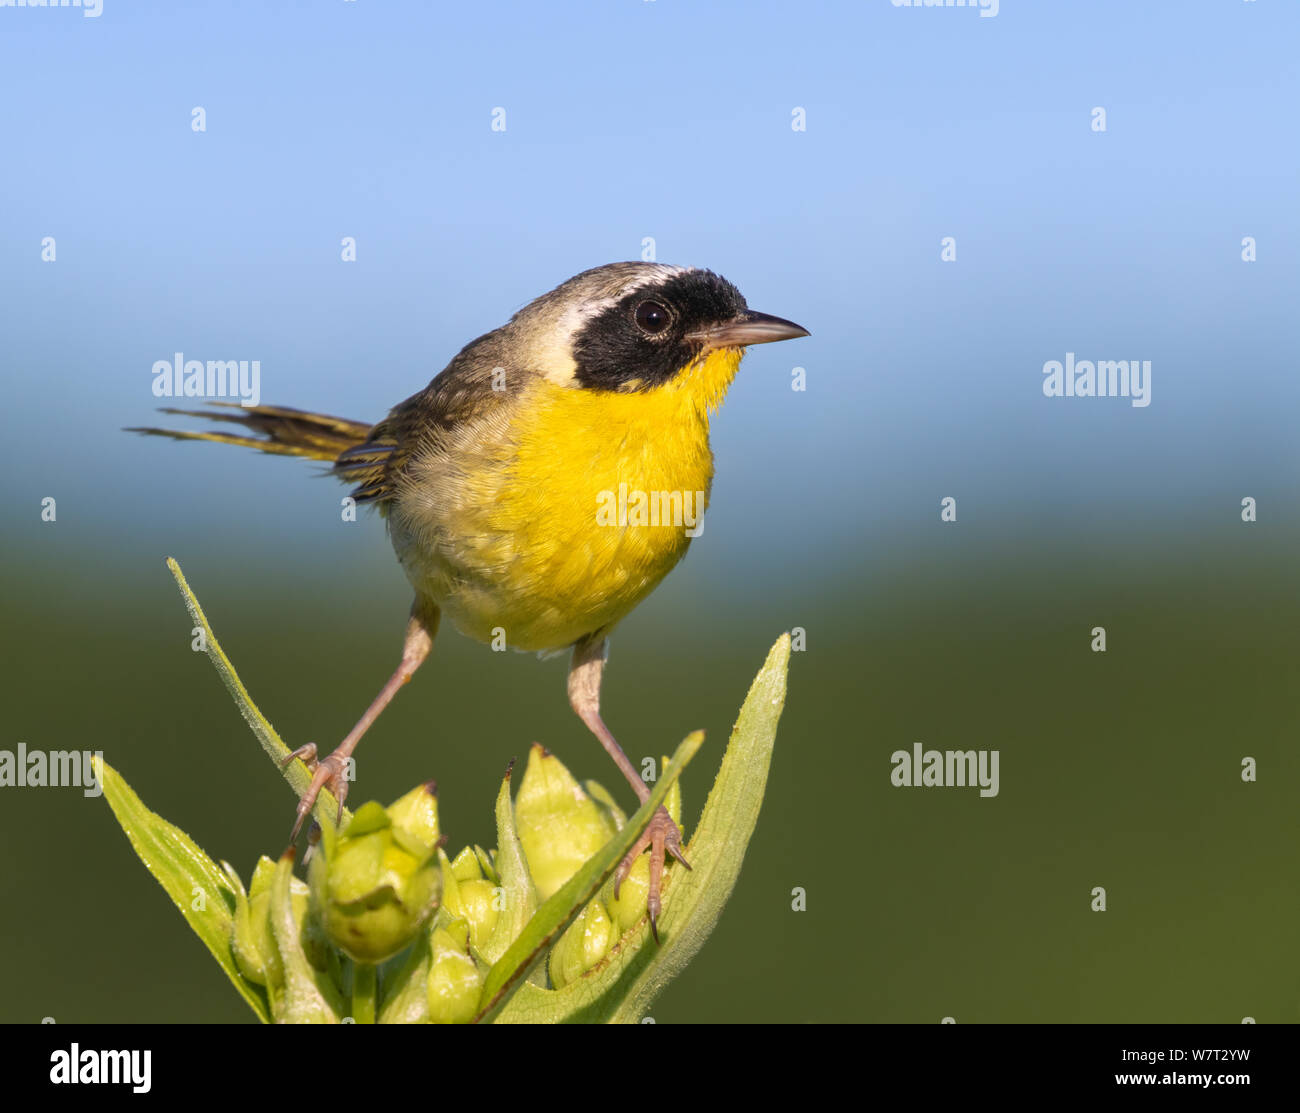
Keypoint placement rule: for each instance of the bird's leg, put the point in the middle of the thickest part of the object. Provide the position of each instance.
(330, 772)
(662, 835)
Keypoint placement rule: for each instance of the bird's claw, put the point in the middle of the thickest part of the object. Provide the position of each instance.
(329, 772)
(663, 837)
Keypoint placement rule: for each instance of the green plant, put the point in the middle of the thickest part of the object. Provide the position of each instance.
(390, 929)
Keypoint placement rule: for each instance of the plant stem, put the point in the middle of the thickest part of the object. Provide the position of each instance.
(363, 993)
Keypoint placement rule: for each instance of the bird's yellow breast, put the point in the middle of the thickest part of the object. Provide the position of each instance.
(589, 500)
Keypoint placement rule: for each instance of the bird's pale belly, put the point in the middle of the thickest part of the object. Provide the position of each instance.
(567, 517)
(544, 602)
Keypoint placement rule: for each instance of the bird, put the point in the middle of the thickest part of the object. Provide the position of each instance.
(515, 485)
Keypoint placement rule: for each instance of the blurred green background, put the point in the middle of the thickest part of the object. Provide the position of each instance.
(1119, 769)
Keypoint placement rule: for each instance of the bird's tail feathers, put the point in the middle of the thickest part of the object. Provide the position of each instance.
(275, 429)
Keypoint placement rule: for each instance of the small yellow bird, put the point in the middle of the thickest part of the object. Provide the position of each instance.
(545, 482)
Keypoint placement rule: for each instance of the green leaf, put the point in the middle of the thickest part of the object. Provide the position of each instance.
(304, 995)
(717, 847)
(518, 894)
(296, 772)
(620, 989)
(557, 913)
(184, 872)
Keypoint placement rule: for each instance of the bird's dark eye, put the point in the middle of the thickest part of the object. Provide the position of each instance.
(652, 316)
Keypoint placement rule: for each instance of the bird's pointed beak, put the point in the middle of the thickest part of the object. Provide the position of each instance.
(749, 328)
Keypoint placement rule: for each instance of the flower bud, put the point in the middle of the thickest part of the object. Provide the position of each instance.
(630, 904)
(455, 980)
(479, 901)
(583, 945)
(416, 813)
(467, 895)
(559, 825)
(252, 941)
(378, 881)
(606, 803)
(464, 867)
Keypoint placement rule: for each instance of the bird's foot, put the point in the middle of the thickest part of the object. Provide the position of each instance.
(329, 772)
(663, 837)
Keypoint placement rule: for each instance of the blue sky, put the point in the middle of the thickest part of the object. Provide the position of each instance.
(638, 118)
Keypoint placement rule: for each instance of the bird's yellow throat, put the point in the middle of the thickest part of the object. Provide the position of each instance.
(576, 440)
(577, 448)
